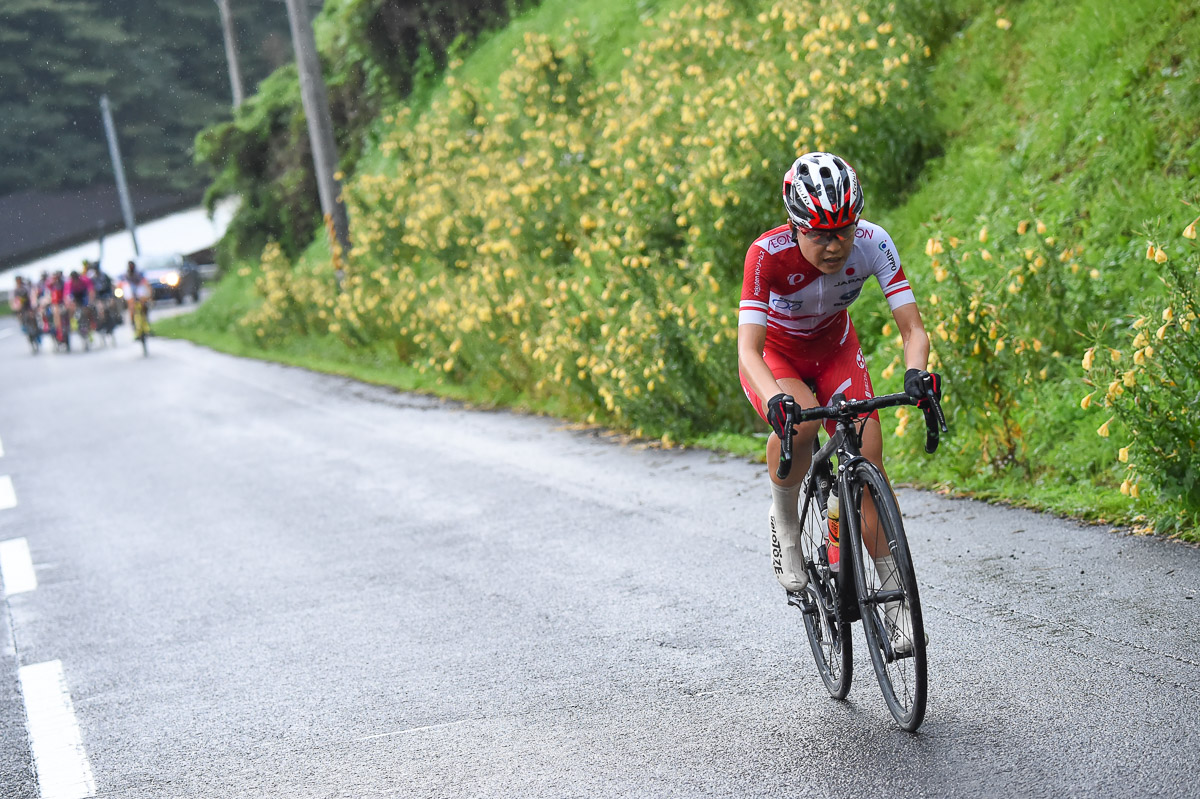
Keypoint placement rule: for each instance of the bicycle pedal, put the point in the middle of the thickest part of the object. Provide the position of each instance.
(801, 600)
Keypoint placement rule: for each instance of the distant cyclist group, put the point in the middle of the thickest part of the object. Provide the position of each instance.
(86, 303)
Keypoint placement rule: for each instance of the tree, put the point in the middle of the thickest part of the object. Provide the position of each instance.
(52, 73)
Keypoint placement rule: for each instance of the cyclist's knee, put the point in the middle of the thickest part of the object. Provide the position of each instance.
(872, 443)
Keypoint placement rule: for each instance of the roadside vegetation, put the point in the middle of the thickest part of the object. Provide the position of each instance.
(560, 225)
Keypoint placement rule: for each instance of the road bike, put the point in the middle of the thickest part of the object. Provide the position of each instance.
(888, 604)
(59, 326)
(31, 328)
(108, 318)
(85, 323)
(141, 325)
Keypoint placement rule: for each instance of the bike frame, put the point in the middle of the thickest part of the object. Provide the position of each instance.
(845, 443)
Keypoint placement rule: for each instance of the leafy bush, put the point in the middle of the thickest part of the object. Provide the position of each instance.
(581, 239)
(375, 52)
(1152, 385)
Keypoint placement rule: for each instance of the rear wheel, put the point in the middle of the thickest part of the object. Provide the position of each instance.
(828, 633)
(890, 606)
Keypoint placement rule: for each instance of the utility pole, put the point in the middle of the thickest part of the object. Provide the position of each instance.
(114, 151)
(231, 55)
(320, 123)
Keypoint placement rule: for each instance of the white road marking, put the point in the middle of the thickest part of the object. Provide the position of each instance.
(8, 495)
(63, 769)
(417, 729)
(16, 567)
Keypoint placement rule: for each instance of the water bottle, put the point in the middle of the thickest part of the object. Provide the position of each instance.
(833, 547)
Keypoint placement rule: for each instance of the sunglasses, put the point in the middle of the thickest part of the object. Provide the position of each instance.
(824, 237)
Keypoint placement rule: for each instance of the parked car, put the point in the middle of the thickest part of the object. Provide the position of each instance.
(170, 276)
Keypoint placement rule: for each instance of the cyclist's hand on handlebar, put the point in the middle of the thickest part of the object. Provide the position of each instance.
(777, 413)
(920, 384)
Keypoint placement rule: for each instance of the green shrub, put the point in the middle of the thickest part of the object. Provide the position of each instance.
(1152, 385)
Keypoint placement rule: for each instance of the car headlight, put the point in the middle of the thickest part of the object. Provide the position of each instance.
(171, 279)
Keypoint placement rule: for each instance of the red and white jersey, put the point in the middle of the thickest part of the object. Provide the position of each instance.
(795, 301)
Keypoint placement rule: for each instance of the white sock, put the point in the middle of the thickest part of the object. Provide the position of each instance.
(785, 532)
(889, 578)
(784, 500)
(896, 612)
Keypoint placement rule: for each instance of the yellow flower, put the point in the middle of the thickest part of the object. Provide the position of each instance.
(1160, 257)
(1125, 487)
(1102, 430)
(1022, 226)
(1115, 355)
(1150, 248)
(1003, 24)
(1134, 491)
(1189, 232)
(1129, 379)
(983, 235)
(1086, 402)
(985, 255)
(1168, 314)
(999, 346)
(1041, 228)
(933, 247)
(1123, 454)
(1088, 357)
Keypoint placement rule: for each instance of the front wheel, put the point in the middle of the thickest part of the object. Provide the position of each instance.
(887, 595)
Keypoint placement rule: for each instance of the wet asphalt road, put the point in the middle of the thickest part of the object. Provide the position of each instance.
(262, 582)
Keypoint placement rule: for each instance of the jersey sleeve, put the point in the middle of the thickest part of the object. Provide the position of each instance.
(890, 274)
(755, 293)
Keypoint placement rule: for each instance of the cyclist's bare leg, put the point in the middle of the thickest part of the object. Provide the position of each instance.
(801, 442)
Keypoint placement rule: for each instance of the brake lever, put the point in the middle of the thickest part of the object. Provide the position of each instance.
(935, 423)
(785, 445)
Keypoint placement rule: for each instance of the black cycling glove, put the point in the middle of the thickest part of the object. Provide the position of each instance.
(918, 382)
(777, 412)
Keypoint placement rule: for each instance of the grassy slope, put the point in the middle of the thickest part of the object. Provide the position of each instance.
(1072, 114)
(1033, 115)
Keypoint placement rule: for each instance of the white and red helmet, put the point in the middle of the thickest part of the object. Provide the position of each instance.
(821, 192)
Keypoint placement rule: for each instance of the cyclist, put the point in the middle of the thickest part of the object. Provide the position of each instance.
(22, 303)
(81, 297)
(136, 290)
(796, 342)
(54, 299)
(104, 296)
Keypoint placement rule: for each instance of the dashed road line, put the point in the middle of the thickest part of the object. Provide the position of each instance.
(16, 567)
(8, 495)
(63, 769)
